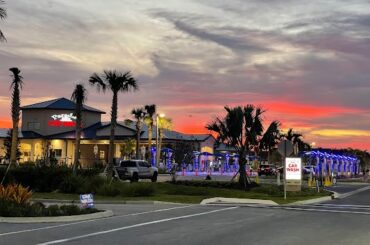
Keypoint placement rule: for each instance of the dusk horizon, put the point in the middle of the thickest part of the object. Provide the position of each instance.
(306, 64)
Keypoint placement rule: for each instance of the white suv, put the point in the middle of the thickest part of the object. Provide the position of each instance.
(134, 170)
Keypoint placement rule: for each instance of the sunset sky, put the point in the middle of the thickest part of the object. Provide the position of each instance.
(306, 62)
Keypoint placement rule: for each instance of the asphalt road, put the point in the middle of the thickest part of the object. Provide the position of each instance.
(343, 221)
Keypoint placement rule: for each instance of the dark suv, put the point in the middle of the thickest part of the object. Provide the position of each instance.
(265, 169)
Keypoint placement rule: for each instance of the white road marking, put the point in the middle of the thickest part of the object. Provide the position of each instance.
(92, 220)
(325, 210)
(134, 226)
(342, 205)
(353, 192)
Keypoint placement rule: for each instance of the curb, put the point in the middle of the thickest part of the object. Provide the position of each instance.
(334, 195)
(98, 215)
(222, 200)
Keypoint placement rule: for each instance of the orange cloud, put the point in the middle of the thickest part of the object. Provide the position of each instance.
(306, 110)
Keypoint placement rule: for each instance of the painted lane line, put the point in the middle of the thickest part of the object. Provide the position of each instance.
(332, 207)
(325, 210)
(92, 220)
(354, 192)
(292, 208)
(342, 205)
(136, 225)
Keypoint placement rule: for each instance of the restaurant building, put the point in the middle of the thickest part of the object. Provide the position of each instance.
(49, 128)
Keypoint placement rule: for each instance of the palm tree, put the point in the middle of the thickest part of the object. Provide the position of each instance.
(296, 139)
(116, 82)
(79, 97)
(163, 124)
(270, 138)
(139, 115)
(241, 128)
(16, 102)
(2, 16)
(149, 121)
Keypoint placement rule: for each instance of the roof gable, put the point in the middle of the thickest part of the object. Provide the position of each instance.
(59, 104)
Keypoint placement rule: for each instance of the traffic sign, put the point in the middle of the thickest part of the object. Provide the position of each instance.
(285, 148)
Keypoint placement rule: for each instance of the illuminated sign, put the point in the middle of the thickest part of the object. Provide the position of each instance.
(62, 120)
(293, 168)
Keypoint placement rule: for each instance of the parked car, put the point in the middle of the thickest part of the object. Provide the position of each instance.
(134, 170)
(265, 169)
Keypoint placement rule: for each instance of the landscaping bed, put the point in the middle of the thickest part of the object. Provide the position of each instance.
(38, 209)
(181, 193)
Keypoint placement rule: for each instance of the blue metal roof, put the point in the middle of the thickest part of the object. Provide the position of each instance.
(59, 104)
(21, 134)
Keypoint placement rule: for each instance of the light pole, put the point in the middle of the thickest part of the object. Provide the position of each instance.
(157, 152)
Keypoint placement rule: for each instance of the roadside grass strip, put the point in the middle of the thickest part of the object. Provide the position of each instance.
(135, 226)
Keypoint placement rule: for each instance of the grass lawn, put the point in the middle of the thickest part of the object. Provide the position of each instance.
(168, 192)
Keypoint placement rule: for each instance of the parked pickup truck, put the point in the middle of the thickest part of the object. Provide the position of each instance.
(134, 170)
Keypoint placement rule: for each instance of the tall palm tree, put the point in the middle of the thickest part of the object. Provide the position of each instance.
(16, 102)
(139, 115)
(164, 123)
(116, 82)
(150, 111)
(79, 97)
(241, 128)
(2, 16)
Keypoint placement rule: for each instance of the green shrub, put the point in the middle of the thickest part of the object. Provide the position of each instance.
(108, 189)
(53, 210)
(70, 209)
(137, 189)
(12, 209)
(92, 184)
(215, 184)
(36, 209)
(43, 178)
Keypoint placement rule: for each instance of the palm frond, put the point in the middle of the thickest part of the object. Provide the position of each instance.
(96, 80)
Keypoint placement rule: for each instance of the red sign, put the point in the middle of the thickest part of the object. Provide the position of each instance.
(57, 123)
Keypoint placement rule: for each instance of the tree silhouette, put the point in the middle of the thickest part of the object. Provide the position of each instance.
(2, 16)
(79, 97)
(116, 82)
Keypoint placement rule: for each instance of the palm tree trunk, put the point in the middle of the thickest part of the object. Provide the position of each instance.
(77, 146)
(138, 142)
(150, 136)
(15, 119)
(160, 135)
(14, 146)
(243, 181)
(112, 132)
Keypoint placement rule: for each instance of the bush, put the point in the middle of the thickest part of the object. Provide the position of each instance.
(137, 189)
(13, 209)
(215, 184)
(107, 189)
(71, 184)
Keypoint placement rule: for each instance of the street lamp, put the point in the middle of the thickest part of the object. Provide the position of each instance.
(157, 116)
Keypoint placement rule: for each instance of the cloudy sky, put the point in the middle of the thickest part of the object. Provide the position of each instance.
(306, 62)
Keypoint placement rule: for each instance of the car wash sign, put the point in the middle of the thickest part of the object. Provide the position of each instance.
(293, 171)
(62, 120)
